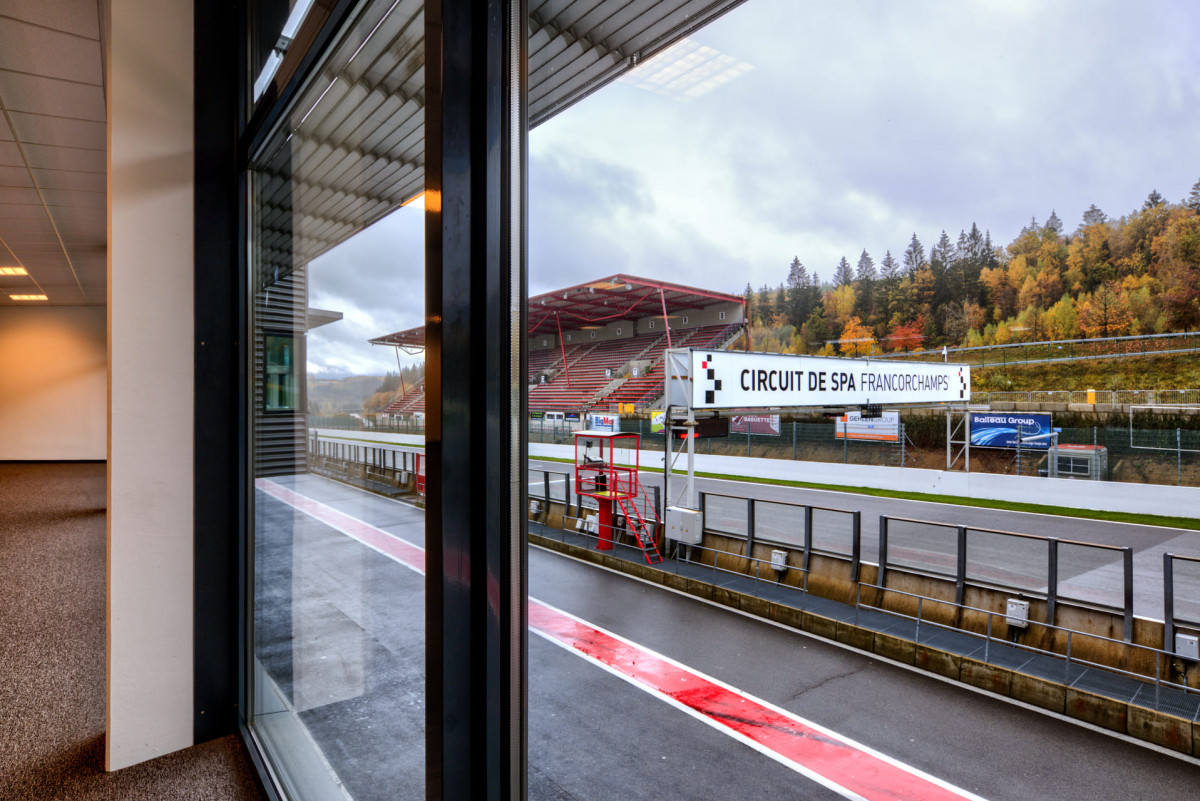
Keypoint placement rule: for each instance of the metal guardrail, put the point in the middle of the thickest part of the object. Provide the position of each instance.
(1058, 350)
(957, 563)
(1157, 692)
(1118, 397)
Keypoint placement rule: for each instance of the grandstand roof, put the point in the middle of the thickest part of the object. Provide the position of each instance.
(617, 297)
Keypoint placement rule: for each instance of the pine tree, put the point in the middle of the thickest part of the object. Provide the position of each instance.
(888, 268)
(1153, 200)
(914, 256)
(1093, 216)
(865, 278)
(866, 268)
(843, 275)
(1193, 200)
(797, 292)
(1054, 224)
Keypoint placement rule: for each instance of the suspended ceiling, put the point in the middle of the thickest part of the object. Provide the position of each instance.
(343, 168)
(52, 151)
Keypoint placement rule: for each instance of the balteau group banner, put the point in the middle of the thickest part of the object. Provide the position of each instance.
(723, 379)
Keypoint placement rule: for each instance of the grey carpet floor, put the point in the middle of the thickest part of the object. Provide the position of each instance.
(52, 619)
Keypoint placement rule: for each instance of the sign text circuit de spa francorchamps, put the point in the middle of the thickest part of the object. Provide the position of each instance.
(724, 379)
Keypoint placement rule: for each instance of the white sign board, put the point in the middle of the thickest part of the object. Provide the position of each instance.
(851, 425)
(723, 379)
(604, 422)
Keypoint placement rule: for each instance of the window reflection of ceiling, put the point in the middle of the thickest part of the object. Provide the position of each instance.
(355, 149)
(343, 168)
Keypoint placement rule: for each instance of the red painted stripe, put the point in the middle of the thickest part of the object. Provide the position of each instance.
(844, 766)
(403, 552)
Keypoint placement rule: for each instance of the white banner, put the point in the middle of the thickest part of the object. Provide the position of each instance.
(851, 425)
(723, 379)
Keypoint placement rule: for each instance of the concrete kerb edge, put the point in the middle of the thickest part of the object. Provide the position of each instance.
(1140, 723)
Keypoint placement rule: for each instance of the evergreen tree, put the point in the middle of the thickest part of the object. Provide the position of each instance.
(864, 280)
(797, 293)
(1193, 200)
(843, 275)
(1153, 200)
(888, 268)
(866, 268)
(1093, 215)
(764, 306)
(750, 304)
(1054, 224)
(914, 256)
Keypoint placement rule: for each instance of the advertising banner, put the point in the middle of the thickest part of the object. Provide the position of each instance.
(723, 379)
(754, 424)
(604, 422)
(880, 429)
(658, 422)
(999, 430)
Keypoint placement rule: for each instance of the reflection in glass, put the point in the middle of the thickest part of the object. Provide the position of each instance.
(337, 663)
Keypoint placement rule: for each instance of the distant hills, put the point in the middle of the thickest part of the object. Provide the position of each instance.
(329, 396)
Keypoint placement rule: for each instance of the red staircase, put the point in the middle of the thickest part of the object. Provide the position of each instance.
(644, 532)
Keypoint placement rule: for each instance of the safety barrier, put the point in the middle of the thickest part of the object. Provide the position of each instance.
(1099, 576)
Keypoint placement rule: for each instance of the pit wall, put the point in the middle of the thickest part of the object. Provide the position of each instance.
(1107, 496)
(1167, 731)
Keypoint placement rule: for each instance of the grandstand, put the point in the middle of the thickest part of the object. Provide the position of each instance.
(599, 344)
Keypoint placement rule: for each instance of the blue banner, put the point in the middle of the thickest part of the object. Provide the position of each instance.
(999, 430)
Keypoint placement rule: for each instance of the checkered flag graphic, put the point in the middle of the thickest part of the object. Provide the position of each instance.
(712, 384)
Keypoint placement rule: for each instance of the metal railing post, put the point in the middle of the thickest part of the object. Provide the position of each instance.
(883, 550)
(1168, 602)
(546, 487)
(1052, 580)
(856, 546)
(808, 539)
(1127, 558)
(749, 526)
(960, 578)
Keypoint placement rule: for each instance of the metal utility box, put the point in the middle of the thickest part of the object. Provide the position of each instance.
(779, 560)
(684, 525)
(1017, 613)
(1187, 646)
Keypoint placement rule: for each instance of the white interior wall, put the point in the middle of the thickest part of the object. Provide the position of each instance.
(151, 268)
(53, 383)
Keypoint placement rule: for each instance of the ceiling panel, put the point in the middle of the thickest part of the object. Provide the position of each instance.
(37, 129)
(40, 51)
(37, 94)
(71, 16)
(66, 158)
(76, 181)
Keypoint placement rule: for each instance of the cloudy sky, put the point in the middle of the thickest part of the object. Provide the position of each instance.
(831, 127)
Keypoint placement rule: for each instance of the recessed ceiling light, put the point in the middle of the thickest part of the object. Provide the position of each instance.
(28, 297)
(13, 271)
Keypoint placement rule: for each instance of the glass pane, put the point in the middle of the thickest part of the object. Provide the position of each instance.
(337, 260)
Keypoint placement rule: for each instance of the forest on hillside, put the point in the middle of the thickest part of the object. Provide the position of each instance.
(1136, 274)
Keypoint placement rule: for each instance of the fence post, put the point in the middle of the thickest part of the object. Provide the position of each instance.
(1178, 459)
(903, 444)
(1127, 559)
(808, 537)
(883, 550)
(749, 526)
(546, 488)
(662, 513)
(1052, 580)
(747, 440)
(961, 577)
(1168, 603)
(856, 547)
(793, 440)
